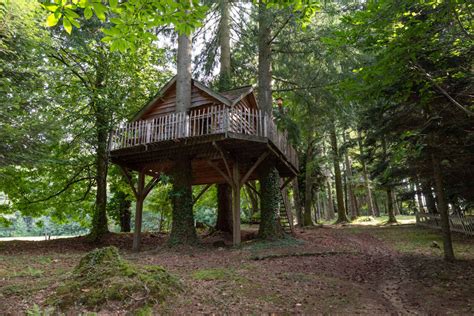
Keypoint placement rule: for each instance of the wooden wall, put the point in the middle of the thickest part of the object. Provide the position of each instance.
(167, 103)
(199, 99)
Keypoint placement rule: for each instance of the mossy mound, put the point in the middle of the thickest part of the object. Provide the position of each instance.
(103, 277)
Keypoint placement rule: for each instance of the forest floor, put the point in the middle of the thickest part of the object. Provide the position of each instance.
(329, 269)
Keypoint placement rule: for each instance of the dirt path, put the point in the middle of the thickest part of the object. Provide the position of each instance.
(324, 270)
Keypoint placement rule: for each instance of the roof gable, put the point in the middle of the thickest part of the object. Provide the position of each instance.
(168, 91)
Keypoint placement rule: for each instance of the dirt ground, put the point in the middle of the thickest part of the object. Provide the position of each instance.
(363, 270)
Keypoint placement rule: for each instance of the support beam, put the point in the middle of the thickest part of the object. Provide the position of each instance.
(287, 181)
(236, 204)
(138, 212)
(222, 173)
(254, 189)
(252, 169)
(140, 191)
(128, 177)
(224, 157)
(150, 185)
(201, 193)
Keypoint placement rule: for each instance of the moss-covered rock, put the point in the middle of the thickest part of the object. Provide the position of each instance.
(103, 277)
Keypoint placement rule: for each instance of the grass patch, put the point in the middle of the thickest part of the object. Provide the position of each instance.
(28, 272)
(418, 240)
(224, 274)
(102, 276)
(14, 289)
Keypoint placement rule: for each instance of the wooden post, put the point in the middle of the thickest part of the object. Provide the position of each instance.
(138, 211)
(236, 203)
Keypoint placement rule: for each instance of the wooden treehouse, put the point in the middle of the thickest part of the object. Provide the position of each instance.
(226, 134)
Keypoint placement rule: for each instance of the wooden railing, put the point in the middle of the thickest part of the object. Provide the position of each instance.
(201, 122)
(464, 224)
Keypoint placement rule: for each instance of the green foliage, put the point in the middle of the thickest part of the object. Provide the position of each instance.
(44, 225)
(127, 25)
(103, 276)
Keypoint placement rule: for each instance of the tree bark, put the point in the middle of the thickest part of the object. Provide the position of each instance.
(224, 208)
(390, 212)
(396, 207)
(125, 214)
(269, 179)
(421, 209)
(225, 73)
(430, 200)
(184, 76)
(365, 173)
(99, 219)
(224, 191)
(297, 202)
(341, 212)
(182, 227)
(264, 58)
(270, 227)
(330, 213)
(308, 192)
(377, 207)
(350, 187)
(443, 209)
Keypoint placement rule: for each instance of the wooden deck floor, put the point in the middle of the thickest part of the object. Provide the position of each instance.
(158, 157)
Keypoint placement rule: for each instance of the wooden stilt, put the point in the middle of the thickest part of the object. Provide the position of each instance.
(236, 203)
(138, 212)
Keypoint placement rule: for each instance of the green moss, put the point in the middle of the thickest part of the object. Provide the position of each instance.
(103, 276)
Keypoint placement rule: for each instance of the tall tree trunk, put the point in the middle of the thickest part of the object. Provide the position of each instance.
(99, 219)
(377, 207)
(224, 208)
(390, 212)
(270, 227)
(388, 189)
(225, 73)
(421, 209)
(341, 212)
(365, 173)
(224, 190)
(350, 187)
(308, 192)
(183, 231)
(430, 200)
(443, 209)
(125, 214)
(396, 207)
(269, 179)
(297, 202)
(184, 76)
(330, 201)
(182, 228)
(264, 58)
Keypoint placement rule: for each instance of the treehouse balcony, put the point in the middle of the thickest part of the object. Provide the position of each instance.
(204, 134)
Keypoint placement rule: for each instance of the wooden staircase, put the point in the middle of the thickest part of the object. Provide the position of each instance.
(286, 217)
